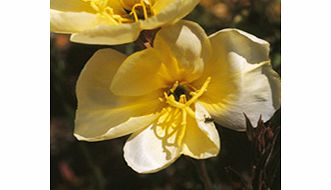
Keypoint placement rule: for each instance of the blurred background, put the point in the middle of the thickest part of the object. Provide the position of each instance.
(248, 160)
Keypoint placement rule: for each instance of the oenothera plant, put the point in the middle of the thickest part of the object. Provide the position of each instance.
(168, 96)
(114, 21)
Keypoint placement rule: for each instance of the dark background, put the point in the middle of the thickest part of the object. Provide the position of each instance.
(101, 166)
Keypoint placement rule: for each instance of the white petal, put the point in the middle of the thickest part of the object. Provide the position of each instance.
(242, 80)
(145, 152)
(259, 95)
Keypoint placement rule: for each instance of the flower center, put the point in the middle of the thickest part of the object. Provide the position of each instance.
(128, 12)
(182, 96)
(173, 119)
(181, 89)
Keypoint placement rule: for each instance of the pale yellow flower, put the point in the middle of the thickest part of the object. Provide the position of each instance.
(166, 95)
(114, 21)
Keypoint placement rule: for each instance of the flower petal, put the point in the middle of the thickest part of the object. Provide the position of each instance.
(201, 139)
(70, 22)
(253, 49)
(165, 10)
(138, 74)
(185, 48)
(242, 80)
(71, 5)
(108, 34)
(117, 7)
(168, 11)
(144, 152)
(186, 7)
(101, 114)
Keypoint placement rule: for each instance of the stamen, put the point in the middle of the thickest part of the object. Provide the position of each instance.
(171, 101)
(190, 112)
(183, 103)
(143, 3)
(193, 93)
(199, 92)
(174, 132)
(172, 123)
(182, 99)
(104, 9)
(149, 3)
(169, 119)
(133, 12)
(182, 129)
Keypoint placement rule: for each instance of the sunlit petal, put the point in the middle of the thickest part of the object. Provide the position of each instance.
(101, 114)
(168, 11)
(70, 5)
(139, 74)
(108, 34)
(201, 139)
(113, 22)
(69, 22)
(144, 152)
(185, 48)
(242, 80)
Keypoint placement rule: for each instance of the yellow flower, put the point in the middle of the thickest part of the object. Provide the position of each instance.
(169, 95)
(114, 21)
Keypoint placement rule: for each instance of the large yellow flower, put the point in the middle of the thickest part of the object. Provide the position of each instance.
(114, 21)
(166, 95)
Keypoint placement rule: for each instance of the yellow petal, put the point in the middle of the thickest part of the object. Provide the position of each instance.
(168, 11)
(71, 5)
(186, 7)
(201, 139)
(165, 12)
(185, 48)
(70, 22)
(127, 4)
(102, 115)
(144, 152)
(116, 6)
(108, 34)
(242, 80)
(138, 74)
(160, 5)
